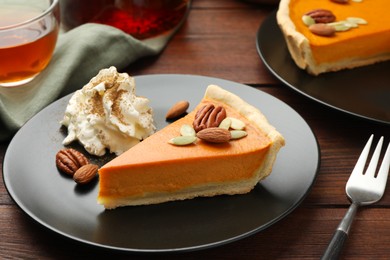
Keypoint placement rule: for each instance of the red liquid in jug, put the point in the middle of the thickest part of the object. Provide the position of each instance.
(139, 18)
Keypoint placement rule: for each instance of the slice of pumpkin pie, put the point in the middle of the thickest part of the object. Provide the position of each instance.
(234, 148)
(331, 35)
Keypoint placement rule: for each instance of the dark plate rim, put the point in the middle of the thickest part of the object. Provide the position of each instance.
(269, 20)
(55, 230)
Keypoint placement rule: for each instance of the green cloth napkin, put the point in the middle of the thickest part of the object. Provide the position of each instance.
(79, 55)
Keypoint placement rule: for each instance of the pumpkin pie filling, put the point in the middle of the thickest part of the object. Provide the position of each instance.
(364, 41)
(145, 174)
(155, 171)
(369, 41)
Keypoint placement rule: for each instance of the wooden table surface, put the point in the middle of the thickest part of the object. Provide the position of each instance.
(218, 40)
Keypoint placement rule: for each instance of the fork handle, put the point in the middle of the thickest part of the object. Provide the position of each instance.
(340, 235)
(335, 246)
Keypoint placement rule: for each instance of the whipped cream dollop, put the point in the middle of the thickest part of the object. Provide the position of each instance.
(107, 114)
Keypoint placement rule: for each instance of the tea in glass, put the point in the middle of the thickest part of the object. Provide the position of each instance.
(28, 35)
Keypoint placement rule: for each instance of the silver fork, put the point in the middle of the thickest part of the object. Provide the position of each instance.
(362, 189)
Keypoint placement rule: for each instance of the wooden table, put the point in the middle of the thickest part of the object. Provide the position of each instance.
(218, 40)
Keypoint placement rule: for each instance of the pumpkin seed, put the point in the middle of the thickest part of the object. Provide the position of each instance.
(356, 20)
(237, 134)
(340, 26)
(351, 24)
(187, 130)
(236, 124)
(226, 123)
(308, 20)
(182, 140)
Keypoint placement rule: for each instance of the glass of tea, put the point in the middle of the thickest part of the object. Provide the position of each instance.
(28, 35)
(142, 19)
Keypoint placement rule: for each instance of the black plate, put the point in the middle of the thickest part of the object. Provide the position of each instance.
(362, 92)
(57, 203)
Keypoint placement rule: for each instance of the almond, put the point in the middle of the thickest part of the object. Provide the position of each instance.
(177, 109)
(85, 173)
(322, 29)
(214, 135)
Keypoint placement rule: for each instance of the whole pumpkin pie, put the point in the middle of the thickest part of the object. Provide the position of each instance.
(159, 170)
(361, 33)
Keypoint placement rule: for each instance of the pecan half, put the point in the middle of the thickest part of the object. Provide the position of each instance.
(321, 15)
(70, 160)
(208, 116)
(85, 173)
